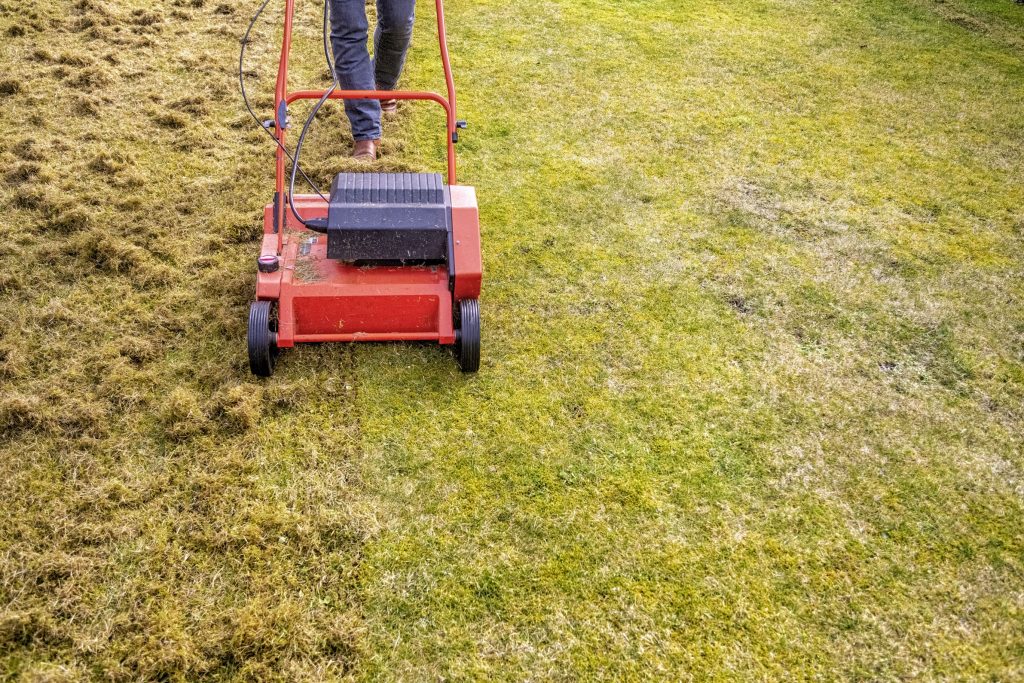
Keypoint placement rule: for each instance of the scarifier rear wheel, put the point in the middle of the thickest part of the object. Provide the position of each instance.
(262, 338)
(467, 335)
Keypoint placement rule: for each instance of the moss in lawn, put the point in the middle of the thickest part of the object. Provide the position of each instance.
(751, 397)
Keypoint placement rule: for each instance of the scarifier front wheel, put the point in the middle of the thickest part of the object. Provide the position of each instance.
(467, 335)
(262, 338)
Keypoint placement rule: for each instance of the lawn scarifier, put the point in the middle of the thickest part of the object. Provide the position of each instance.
(387, 257)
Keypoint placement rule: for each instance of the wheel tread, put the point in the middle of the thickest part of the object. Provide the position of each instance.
(469, 335)
(262, 339)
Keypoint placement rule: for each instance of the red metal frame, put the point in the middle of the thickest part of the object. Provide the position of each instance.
(322, 300)
(282, 98)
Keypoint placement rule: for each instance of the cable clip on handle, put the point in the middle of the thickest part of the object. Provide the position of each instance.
(461, 125)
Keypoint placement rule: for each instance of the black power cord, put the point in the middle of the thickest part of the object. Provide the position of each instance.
(245, 98)
(314, 224)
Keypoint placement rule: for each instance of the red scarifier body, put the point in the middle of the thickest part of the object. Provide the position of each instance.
(323, 300)
(302, 295)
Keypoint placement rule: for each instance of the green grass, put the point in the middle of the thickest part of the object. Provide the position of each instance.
(751, 400)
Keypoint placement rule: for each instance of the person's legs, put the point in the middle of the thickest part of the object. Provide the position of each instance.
(352, 63)
(391, 40)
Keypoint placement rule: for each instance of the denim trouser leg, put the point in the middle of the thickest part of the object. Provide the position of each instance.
(391, 40)
(352, 60)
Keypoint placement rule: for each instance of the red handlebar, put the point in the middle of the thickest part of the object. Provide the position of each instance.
(282, 98)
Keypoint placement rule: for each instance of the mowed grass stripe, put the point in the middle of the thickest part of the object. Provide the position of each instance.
(737, 280)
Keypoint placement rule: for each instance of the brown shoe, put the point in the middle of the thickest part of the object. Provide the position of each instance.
(389, 106)
(365, 150)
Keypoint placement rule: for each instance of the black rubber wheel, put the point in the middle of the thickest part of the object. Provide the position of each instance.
(262, 338)
(467, 335)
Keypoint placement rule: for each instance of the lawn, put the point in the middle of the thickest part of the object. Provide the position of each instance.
(752, 396)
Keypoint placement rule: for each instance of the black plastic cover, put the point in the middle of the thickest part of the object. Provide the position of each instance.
(388, 218)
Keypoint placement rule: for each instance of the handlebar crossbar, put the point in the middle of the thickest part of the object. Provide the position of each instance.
(391, 95)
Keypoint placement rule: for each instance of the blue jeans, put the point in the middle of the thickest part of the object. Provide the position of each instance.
(352, 60)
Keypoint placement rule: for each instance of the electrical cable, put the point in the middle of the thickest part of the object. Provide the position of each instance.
(315, 224)
(252, 113)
